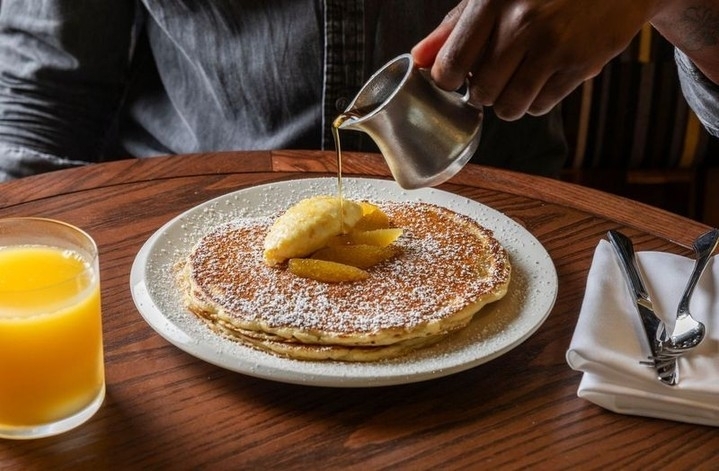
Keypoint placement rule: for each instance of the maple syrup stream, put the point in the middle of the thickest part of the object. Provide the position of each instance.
(336, 135)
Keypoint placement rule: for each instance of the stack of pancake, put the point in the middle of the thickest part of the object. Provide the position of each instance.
(447, 268)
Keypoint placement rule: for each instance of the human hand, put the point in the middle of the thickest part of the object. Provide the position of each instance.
(525, 56)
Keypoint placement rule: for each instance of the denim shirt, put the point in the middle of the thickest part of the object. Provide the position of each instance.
(93, 80)
(702, 94)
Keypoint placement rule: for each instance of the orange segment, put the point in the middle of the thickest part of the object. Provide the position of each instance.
(378, 237)
(372, 217)
(360, 256)
(325, 271)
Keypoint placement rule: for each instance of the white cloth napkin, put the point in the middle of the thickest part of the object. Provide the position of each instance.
(609, 341)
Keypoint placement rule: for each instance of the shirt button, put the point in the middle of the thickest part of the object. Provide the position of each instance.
(341, 103)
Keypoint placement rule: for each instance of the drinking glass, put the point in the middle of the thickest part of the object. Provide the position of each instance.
(51, 355)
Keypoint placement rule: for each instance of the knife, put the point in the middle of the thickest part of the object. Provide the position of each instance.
(665, 365)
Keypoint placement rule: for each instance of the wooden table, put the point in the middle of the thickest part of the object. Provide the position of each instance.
(166, 409)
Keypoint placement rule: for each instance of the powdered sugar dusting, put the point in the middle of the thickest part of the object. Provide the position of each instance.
(498, 328)
(446, 263)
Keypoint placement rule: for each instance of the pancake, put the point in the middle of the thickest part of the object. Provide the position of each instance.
(447, 269)
(303, 351)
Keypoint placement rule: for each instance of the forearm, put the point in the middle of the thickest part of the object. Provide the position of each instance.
(22, 161)
(54, 119)
(693, 27)
(62, 69)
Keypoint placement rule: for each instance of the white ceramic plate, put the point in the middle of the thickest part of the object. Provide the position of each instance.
(498, 328)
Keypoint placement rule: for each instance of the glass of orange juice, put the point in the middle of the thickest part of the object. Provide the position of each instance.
(52, 375)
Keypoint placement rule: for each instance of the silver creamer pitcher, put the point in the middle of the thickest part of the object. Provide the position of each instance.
(425, 134)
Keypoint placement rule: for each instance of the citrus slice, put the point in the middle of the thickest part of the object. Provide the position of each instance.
(325, 271)
(372, 217)
(360, 256)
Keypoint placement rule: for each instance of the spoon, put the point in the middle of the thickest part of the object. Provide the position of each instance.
(689, 332)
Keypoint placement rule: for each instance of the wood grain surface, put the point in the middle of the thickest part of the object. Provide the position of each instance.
(166, 409)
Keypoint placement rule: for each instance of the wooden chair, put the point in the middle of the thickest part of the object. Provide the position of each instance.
(631, 132)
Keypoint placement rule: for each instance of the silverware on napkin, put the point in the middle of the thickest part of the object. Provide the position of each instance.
(664, 363)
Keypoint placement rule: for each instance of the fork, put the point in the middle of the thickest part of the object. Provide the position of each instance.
(689, 332)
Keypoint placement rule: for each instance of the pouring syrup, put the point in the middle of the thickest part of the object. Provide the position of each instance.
(342, 118)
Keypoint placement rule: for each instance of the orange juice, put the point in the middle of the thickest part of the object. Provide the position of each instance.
(51, 360)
